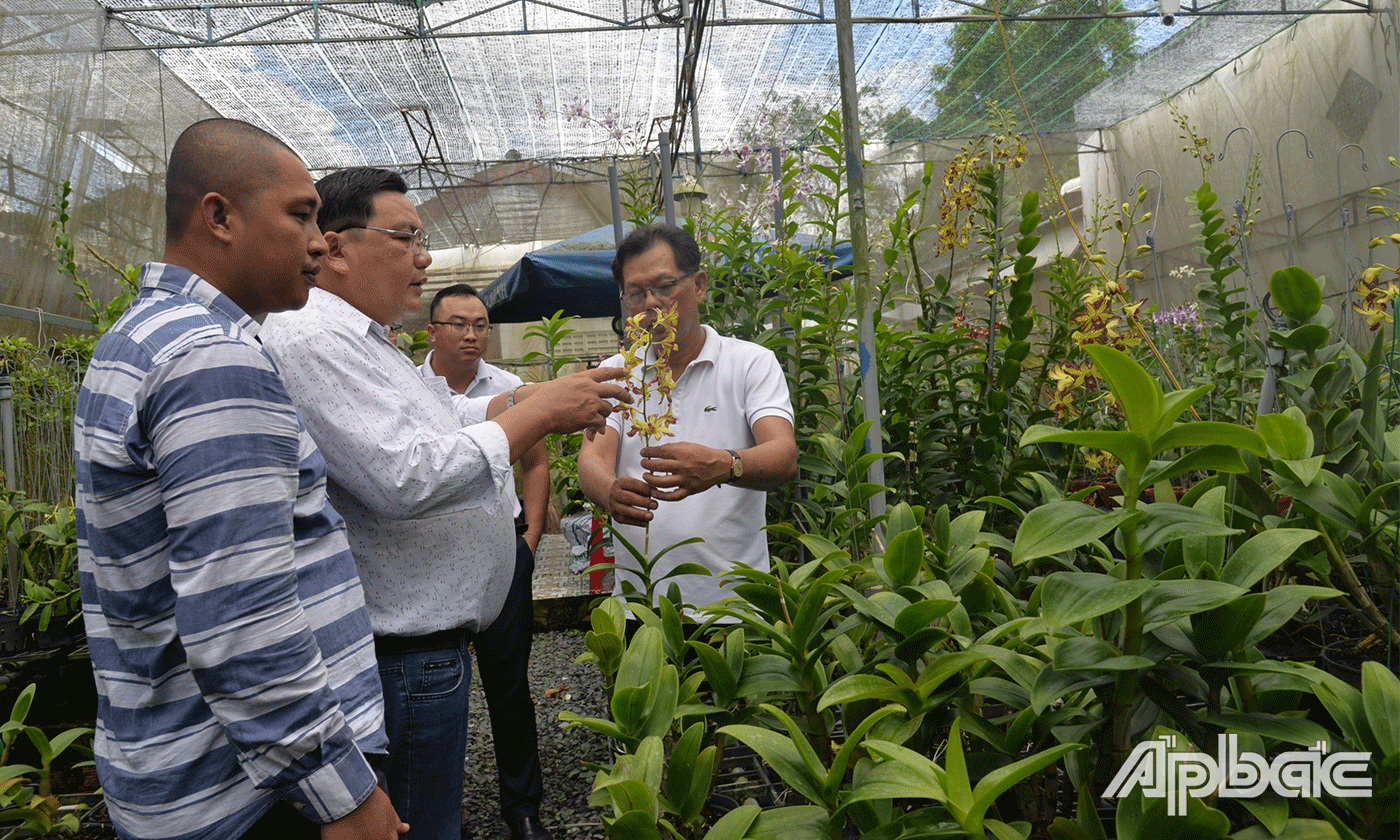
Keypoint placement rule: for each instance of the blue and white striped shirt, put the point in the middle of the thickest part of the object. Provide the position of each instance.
(232, 649)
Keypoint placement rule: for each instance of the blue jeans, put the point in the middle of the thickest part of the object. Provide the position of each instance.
(425, 714)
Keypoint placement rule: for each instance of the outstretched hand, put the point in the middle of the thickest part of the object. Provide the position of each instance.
(581, 401)
(680, 469)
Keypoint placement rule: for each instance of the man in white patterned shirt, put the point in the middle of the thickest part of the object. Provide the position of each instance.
(418, 475)
(237, 691)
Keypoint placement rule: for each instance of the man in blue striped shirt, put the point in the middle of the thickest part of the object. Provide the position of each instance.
(237, 689)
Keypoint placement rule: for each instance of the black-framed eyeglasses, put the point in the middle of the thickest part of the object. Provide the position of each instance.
(417, 238)
(461, 326)
(664, 291)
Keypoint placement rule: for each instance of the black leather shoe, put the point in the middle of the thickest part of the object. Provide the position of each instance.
(529, 828)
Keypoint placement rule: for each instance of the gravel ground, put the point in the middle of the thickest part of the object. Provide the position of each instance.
(559, 684)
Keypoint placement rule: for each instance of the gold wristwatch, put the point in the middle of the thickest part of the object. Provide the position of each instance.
(736, 467)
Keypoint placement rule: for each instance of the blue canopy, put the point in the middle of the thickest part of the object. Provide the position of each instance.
(575, 275)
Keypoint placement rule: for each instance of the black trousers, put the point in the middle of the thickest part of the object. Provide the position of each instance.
(503, 664)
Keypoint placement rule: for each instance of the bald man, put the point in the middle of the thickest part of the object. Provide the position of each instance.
(238, 694)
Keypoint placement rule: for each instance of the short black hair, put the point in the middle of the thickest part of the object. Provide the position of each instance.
(229, 157)
(347, 195)
(684, 249)
(455, 290)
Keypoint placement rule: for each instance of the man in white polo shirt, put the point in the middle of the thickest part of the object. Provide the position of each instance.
(733, 431)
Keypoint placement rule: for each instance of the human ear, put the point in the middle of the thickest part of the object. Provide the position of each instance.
(335, 258)
(217, 212)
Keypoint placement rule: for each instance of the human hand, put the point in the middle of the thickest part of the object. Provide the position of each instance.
(630, 502)
(681, 468)
(580, 401)
(374, 819)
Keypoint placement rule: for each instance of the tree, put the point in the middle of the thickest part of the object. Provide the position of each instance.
(1055, 63)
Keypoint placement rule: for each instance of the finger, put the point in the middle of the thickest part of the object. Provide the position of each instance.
(656, 480)
(603, 374)
(671, 495)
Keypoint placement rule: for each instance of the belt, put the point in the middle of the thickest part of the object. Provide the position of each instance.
(440, 640)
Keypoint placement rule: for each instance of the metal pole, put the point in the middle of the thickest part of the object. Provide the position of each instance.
(860, 258)
(615, 193)
(7, 432)
(668, 196)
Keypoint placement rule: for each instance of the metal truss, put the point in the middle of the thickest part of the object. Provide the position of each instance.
(185, 25)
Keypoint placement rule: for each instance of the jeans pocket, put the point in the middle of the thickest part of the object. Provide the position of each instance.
(438, 675)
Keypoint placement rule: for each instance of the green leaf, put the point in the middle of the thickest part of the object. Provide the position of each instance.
(1004, 778)
(1295, 292)
(1139, 395)
(1263, 553)
(1295, 828)
(735, 824)
(780, 753)
(1304, 339)
(904, 774)
(1380, 695)
(1068, 598)
(1130, 448)
(904, 556)
(1218, 631)
(1224, 459)
(1291, 730)
(1164, 523)
(1172, 600)
(1285, 436)
(1303, 471)
(1175, 403)
(1283, 603)
(1086, 653)
(790, 822)
(1210, 433)
(1062, 526)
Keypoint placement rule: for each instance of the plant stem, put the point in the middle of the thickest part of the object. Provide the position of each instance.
(1366, 610)
(1125, 686)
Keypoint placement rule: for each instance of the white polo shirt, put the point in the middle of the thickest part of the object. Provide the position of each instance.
(718, 398)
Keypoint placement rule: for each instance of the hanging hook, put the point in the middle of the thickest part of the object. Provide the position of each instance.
(1152, 233)
(1341, 202)
(1240, 202)
(1283, 187)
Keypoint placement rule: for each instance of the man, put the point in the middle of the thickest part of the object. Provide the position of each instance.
(418, 476)
(237, 691)
(734, 438)
(458, 326)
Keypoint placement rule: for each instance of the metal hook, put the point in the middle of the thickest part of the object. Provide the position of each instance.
(1240, 203)
(1226, 144)
(1283, 188)
(1341, 204)
(1152, 231)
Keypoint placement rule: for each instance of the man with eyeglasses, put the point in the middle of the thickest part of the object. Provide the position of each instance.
(419, 474)
(458, 327)
(733, 431)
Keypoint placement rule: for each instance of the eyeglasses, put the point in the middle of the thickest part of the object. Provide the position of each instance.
(417, 239)
(460, 326)
(664, 291)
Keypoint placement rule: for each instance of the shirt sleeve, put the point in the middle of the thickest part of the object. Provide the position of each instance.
(368, 416)
(766, 389)
(225, 442)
